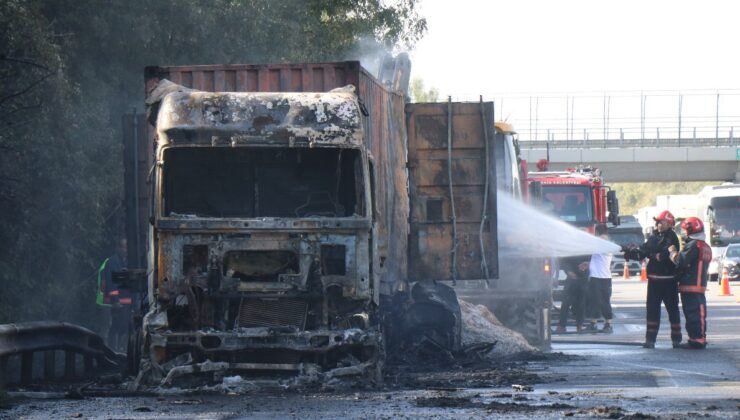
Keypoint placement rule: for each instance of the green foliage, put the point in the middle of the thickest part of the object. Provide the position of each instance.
(70, 68)
(634, 196)
(420, 94)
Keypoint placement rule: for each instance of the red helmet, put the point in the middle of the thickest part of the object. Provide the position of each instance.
(667, 216)
(692, 225)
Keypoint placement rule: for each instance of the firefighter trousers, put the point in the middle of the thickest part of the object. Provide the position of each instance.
(666, 292)
(695, 312)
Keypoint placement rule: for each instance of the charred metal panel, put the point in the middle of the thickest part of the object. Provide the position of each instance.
(432, 233)
(309, 77)
(385, 137)
(179, 271)
(187, 116)
(138, 154)
(273, 313)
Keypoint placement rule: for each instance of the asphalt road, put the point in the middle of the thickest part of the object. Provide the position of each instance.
(600, 376)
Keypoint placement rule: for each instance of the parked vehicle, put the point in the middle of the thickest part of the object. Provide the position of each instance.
(730, 261)
(719, 208)
(626, 234)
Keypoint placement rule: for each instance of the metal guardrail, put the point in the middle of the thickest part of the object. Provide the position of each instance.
(23, 340)
(629, 143)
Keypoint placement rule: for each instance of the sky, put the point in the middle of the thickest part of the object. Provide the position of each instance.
(581, 68)
(524, 46)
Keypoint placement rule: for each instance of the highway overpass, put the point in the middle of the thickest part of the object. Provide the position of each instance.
(623, 163)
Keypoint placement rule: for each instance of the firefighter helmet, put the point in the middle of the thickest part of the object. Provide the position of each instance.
(667, 216)
(692, 225)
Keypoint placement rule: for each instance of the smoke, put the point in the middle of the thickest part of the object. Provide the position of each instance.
(523, 231)
(370, 53)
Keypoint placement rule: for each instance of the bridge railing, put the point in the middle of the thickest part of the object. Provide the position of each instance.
(22, 342)
(629, 143)
(623, 119)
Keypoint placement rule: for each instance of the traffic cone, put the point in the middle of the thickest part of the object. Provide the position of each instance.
(626, 273)
(725, 286)
(643, 271)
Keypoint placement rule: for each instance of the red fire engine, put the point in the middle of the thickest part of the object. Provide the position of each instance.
(576, 195)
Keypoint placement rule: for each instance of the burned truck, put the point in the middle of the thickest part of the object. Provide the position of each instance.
(285, 213)
(271, 236)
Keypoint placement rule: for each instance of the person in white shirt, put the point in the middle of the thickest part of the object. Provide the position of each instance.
(600, 287)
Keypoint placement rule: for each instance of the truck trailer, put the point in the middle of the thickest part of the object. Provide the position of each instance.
(302, 218)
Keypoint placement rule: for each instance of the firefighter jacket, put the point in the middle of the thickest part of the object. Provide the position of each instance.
(655, 249)
(692, 264)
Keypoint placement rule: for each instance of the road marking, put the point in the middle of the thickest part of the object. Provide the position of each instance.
(668, 369)
(663, 378)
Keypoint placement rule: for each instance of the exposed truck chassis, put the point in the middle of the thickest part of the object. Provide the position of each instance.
(213, 345)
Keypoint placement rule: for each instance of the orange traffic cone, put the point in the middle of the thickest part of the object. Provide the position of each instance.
(643, 271)
(725, 286)
(626, 273)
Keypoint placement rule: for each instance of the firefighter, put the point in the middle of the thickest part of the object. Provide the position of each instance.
(119, 301)
(692, 263)
(574, 292)
(661, 273)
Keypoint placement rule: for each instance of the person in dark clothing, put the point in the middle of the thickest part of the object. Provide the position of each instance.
(661, 273)
(692, 263)
(119, 301)
(576, 269)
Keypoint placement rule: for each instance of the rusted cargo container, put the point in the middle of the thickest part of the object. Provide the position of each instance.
(453, 220)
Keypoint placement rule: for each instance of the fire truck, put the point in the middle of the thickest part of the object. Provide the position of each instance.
(576, 196)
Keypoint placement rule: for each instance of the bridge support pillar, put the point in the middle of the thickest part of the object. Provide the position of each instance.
(50, 365)
(88, 361)
(3, 370)
(70, 361)
(26, 367)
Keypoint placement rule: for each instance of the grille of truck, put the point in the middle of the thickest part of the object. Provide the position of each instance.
(273, 313)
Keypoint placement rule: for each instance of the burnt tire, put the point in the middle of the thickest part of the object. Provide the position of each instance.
(133, 350)
(528, 318)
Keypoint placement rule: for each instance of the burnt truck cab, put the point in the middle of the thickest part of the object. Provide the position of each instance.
(261, 252)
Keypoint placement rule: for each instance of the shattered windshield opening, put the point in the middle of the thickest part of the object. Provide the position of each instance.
(262, 182)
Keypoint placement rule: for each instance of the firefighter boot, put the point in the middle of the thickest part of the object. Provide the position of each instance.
(692, 345)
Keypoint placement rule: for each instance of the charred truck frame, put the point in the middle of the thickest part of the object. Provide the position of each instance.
(270, 237)
(286, 227)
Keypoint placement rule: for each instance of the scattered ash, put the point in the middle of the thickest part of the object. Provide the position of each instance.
(599, 411)
(490, 407)
(446, 402)
(638, 416)
(482, 375)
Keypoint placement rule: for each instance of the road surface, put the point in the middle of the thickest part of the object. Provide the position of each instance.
(589, 376)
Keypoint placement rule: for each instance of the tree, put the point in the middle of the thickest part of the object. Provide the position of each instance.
(70, 68)
(420, 94)
(636, 195)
